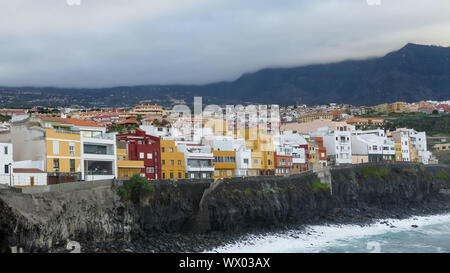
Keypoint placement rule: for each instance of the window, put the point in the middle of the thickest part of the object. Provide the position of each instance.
(179, 162)
(72, 148)
(171, 150)
(99, 167)
(149, 156)
(163, 175)
(245, 160)
(171, 175)
(150, 170)
(95, 149)
(141, 155)
(162, 149)
(6, 169)
(179, 175)
(229, 173)
(163, 162)
(55, 147)
(172, 162)
(72, 165)
(6, 150)
(56, 165)
(216, 173)
(255, 161)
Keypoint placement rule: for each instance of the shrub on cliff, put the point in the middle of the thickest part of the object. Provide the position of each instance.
(136, 189)
(443, 175)
(372, 171)
(317, 185)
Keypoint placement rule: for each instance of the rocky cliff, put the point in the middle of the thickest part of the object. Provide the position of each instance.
(42, 222)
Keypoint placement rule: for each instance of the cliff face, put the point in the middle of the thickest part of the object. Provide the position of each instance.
(39, 222)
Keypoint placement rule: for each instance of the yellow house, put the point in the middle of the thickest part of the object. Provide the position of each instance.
(218, 126)
(397, 107)
(398, 151)
(257, 163)
(413, 153)
(172, 161)
(268, 163)
(261, 145)
(382, 108)
(63, 151)
(224, 164)
(127, 168)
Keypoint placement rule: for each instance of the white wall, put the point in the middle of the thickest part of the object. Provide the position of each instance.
(6, 158)
(23, 179)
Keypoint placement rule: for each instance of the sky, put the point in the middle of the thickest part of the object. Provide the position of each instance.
(105, 43)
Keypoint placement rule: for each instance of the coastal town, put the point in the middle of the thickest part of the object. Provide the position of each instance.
(45, 146)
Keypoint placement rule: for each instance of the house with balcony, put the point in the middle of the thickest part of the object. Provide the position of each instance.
(337, 142)
(316, 154)
(412, 144)
(98, 155)
(198, 160)
(289, 143)
(234, 147)
(372, 148)
(402, 144)
(143, 147)
(224, 164)
(127, 168)
(283, 163)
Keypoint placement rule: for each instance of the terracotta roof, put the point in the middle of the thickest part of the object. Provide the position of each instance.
(129, 121)
(76, 122)
(27, 170)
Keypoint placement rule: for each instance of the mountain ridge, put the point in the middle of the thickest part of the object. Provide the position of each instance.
(412, 73)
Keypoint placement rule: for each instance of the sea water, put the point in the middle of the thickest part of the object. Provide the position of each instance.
(432, 235)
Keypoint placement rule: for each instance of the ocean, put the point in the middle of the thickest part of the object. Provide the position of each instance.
(432, 235)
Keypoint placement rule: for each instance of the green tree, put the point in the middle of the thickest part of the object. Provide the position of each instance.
(136, 189)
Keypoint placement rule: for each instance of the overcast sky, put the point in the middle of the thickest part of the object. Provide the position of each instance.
(102, 43)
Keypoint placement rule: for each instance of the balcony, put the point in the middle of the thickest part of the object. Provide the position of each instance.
(200, 169)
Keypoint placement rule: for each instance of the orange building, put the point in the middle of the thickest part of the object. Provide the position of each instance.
(283, 164)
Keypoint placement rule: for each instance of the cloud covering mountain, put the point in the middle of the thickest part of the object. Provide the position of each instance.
(102, 43)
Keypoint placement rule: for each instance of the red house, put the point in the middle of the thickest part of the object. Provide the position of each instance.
(141, 146)
(283, 164)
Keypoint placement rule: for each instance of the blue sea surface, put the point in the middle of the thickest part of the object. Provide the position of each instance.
(432, 235)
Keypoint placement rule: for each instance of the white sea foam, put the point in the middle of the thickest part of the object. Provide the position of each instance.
(322, 237)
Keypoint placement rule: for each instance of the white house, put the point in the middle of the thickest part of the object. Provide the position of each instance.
(161, 132)
(376, 148)
(20, 174)
(198, 160)
(28, 177)
(98, 156)
(419, 141)
(338, 144)
(243, 155)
